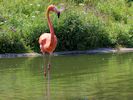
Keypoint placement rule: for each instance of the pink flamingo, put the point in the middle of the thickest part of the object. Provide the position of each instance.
(48, 41)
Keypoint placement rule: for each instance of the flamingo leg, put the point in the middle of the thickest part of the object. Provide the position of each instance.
(45, 58)
(48, 76)
(49, 62)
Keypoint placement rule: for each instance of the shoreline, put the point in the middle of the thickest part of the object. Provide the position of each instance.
(95, 51)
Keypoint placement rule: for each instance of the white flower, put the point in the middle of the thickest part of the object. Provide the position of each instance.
(37, 12)
(81, 4)
(38, 5)
(33, 16)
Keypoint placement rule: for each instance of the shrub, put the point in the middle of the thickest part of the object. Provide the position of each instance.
(12, 43)
(32, 37)
(71, 33)
(76, 33)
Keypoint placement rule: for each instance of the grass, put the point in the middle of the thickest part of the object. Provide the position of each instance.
(85, 24)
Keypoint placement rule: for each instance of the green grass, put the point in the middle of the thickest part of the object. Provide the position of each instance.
(85, 24)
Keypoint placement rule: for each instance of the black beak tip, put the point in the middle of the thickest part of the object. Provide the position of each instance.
(58, 14)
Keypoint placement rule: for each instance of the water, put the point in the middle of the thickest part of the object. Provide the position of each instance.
(82, 77)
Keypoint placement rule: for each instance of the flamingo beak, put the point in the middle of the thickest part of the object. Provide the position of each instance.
(58, 14)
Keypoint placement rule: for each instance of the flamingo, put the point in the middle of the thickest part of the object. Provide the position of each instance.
(48, 41)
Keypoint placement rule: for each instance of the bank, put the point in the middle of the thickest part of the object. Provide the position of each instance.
(95, 51)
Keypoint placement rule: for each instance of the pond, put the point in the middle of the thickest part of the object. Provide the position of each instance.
(77, 77)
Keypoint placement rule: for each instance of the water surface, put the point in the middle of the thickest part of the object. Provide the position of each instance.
(80, 77)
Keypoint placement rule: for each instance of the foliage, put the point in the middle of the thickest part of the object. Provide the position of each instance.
(85, 24)
(72, 33)
(11, 42)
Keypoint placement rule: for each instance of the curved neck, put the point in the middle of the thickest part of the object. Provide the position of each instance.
(50, 23)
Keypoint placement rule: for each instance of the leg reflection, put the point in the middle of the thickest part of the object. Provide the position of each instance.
(47, 75)
(47, 86)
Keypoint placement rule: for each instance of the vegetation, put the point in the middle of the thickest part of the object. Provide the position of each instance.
(85, 24)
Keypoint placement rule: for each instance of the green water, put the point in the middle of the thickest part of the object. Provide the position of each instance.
(82, 77)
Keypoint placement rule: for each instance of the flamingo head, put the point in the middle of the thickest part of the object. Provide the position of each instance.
(54, 9)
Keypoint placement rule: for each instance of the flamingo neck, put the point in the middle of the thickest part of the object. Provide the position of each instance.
(50, 23)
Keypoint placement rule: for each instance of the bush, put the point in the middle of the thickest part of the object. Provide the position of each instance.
(12, 43)
(71, 33)
(32, 37)
(74, 33)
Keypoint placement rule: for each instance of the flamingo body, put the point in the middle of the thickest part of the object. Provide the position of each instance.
(45, 43)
